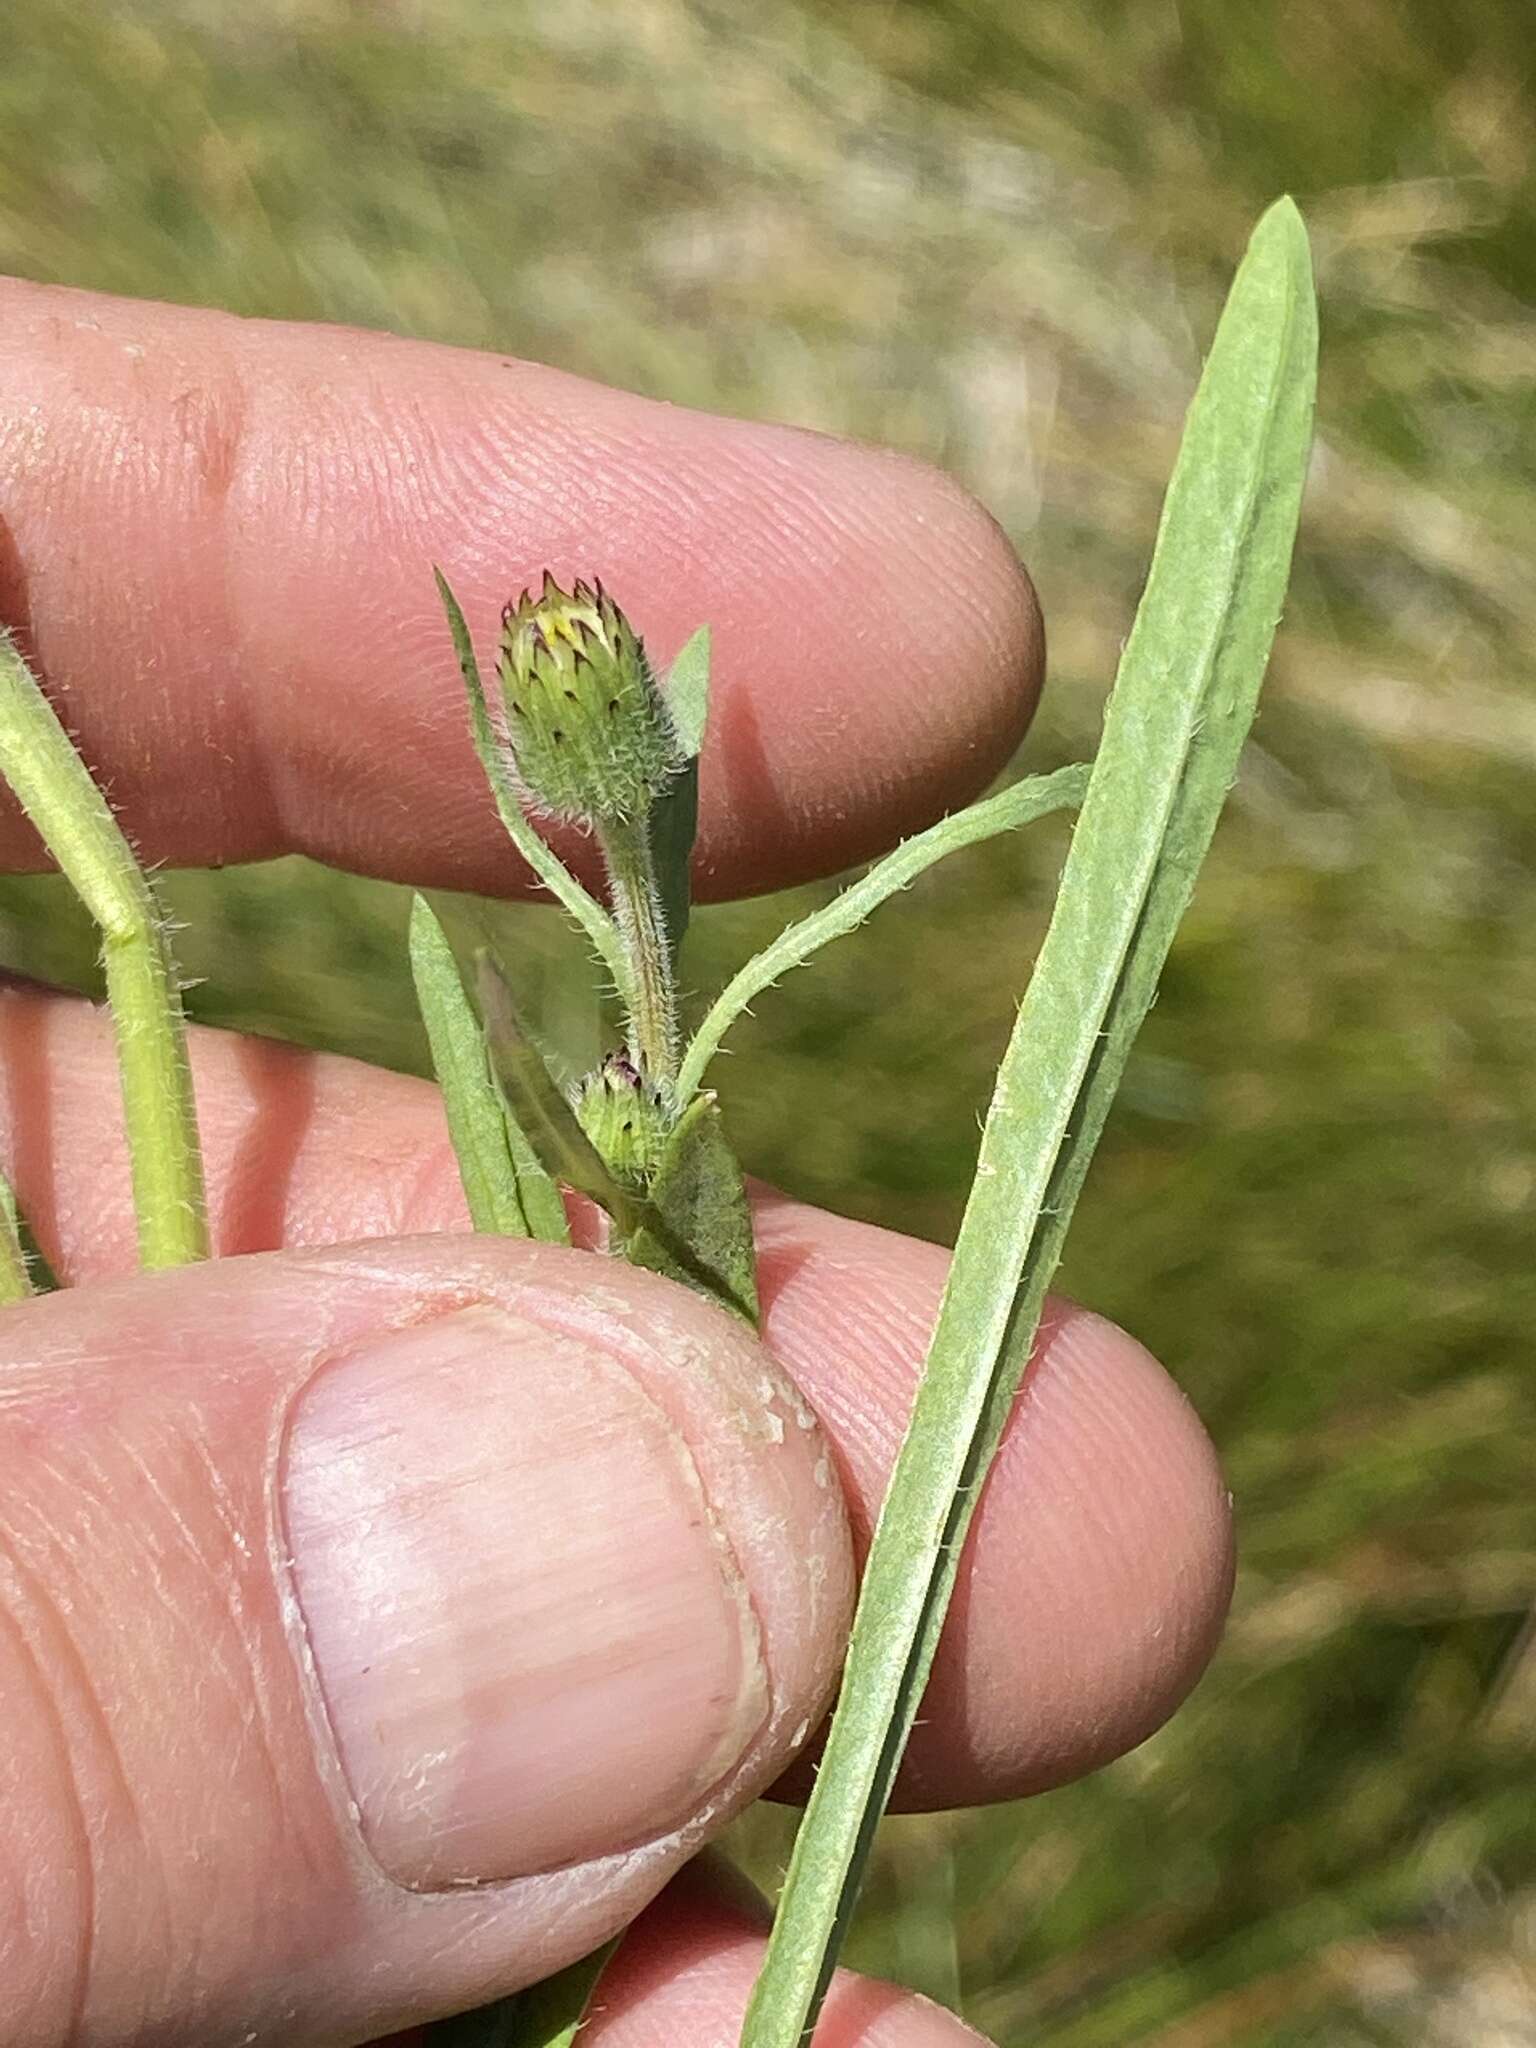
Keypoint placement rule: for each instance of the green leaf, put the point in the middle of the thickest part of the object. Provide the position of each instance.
(508, 1191)
(1010, 808)
(546, 2015)
(686, 690)
(1182, 704)
(551, 871)
(471, 1100)
(674, 817)
(538, 1101)
(699, 1226)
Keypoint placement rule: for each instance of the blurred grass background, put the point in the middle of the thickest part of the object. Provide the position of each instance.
(997, 237)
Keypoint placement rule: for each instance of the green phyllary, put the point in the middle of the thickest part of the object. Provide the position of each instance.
(587, 727)
(627, 1116)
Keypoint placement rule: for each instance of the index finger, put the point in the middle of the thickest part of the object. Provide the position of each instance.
(216, 539)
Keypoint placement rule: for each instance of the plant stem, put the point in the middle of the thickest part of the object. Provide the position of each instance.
(636, 904)
(55, 789)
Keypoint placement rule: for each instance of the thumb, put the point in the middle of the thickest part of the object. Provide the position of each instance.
(380, 1627)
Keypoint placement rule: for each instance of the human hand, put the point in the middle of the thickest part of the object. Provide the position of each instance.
(384, 1619)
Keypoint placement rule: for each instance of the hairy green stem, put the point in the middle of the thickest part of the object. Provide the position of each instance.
(650, 991)
(55, 789)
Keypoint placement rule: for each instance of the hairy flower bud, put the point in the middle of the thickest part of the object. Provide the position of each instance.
(626, 1116)
(591, 740)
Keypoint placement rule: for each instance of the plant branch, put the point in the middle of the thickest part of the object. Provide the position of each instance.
(55, 789)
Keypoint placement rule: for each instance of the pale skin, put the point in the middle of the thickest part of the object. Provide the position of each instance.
(258, 1784)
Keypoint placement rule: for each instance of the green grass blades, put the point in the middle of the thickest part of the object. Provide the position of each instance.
(55, 789)
(1181, 707)
(1017, 805)
(508, 1191)
(698, 1227)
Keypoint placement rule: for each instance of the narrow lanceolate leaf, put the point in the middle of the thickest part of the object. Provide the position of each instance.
(507, 1189)
(551, 871)
(547, 2015)
(55, 789)
(538, 1102)
(1182, 704)
(15, 1278)
(699, 1227)
(674, 817)
(537, 1189)
(1017, 805)
(471, 1099)
(686, 690)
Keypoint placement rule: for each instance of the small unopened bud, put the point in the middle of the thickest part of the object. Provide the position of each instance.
(626, 1117)
(591, 739)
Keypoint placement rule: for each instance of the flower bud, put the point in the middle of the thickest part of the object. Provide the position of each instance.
(627, 1118)
(591, 740)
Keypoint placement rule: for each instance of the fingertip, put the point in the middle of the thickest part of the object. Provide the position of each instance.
(880, 672)
(1102, 1566)
(330, 1532)
(278, 676)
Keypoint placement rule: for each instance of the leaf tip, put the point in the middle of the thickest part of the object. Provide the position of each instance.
(1282, 229)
